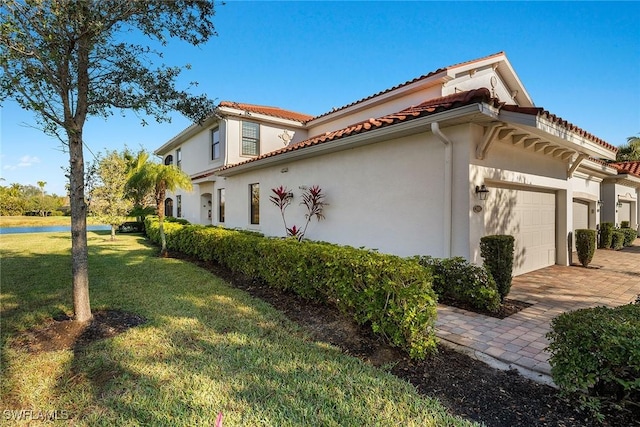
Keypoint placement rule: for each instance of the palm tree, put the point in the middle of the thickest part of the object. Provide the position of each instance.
(41, 184)
(630, 151)
(158, 179)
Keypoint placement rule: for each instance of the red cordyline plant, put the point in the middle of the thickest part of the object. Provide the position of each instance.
(312, 199)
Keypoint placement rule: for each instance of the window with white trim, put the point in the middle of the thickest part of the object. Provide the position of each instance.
(179, 158)
(254, 202)
(250, 139)
(221, 205)
(215, 144)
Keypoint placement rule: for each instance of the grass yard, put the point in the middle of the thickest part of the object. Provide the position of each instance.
(40, 221)
(207, 347)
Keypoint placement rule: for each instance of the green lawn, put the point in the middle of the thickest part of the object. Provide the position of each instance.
(207, 347)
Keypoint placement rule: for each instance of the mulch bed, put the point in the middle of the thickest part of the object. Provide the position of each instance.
(466, 386)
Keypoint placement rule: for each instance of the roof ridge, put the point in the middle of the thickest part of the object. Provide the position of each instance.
(408, 82)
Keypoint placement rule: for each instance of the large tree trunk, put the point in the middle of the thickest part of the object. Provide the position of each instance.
(79, 249)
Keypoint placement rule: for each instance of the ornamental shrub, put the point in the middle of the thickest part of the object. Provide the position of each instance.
(606, 235)
(458, 280)
(597, 350)
(617, 240)
(390, 294)
(497, 252)
(624, 224)
(585, 245)
(630, 235)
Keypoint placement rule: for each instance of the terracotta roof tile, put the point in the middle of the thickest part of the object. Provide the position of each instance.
(424, 76)
(632, 168)
(268, 111)
(424, 109)
(540, 112)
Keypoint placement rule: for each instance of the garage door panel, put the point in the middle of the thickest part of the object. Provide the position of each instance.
(530, 217)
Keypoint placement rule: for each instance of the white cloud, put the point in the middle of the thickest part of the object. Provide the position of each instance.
(25, 162)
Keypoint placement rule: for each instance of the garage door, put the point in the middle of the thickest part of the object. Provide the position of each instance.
(624, 212)
(530, 217)
(580, 218)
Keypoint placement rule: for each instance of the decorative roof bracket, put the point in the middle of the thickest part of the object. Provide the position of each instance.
(489, 136)
(575, 164)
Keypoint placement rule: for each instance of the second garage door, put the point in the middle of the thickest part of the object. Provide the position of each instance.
(530, 217)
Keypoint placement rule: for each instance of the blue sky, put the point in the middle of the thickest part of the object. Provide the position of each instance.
(581, 61)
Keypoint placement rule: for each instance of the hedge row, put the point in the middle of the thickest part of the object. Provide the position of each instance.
(391, 294)
(616, 238)
(457, 279)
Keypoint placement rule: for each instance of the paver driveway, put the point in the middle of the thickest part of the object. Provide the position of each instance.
(519, 340)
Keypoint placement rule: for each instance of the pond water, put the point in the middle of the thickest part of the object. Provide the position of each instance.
(50, 229)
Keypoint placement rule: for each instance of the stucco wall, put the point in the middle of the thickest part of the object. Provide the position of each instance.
(386, 196)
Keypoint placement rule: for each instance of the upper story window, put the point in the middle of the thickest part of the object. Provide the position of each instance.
(179, 206)
(250, 139)
(215, 144)
(168, 160)
(179, 158)
(254, 211)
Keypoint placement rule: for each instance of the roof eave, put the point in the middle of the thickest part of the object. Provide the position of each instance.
(264, 118)
(409, 127)
(560, 134)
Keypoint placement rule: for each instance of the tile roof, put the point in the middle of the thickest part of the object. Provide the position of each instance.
(541, 112)
(268, 111)
(423, 77)
(632, 168)
(424, 109)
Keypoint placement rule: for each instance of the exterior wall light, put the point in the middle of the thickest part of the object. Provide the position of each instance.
(600, 203)
(482, 192)
(619, 204)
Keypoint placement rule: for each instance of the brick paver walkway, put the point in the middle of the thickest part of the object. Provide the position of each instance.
(519, 340)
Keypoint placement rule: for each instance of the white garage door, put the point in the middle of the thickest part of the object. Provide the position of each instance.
(530, 217)
(624, 212)
(580, 218)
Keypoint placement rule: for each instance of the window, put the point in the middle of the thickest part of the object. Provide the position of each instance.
(250, 139)
(168, 160)
(168, 207)
(179, 158)
(215, 144)
(179, 206)
(254, 193)
(221, 205)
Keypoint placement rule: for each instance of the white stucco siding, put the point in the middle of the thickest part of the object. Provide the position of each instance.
(487, 78)
(386, 196)
(386, 105)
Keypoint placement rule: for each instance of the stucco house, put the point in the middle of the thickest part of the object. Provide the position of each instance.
(426, 167)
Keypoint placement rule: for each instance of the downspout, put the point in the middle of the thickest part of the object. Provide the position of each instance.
(448, 179)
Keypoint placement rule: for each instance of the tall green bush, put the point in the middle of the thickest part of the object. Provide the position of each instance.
(497, 252)
(617, 240)
(630, 235)
(606, 235)
(585, 245)
(597, 350)
(390, 294)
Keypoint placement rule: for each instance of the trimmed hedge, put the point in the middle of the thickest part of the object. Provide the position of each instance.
(630, 235)
(391, 294)
(458, 280)
(585, 245)
(497, 252)
(606, 235)
(617, 240)
(597, 350)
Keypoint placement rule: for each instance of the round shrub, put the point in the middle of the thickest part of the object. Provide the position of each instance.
(497, 252)
(597, 350)
(630, 235)
(585, 245)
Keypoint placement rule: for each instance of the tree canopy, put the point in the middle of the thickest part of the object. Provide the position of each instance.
(629, 151)
(67, 60)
